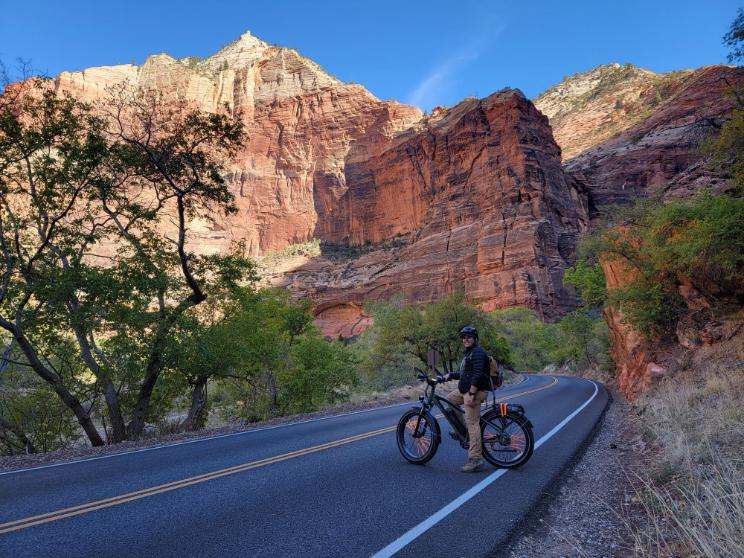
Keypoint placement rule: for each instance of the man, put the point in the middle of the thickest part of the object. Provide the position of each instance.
(471, 391)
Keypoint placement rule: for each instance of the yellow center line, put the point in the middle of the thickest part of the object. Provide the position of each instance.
(175, 485)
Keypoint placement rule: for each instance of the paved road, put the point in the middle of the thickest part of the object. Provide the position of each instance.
(329, 487)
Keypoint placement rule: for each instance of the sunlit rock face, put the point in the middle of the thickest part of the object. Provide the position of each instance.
(626, 132)
(301, 125)
(472, 198)
(476, 199)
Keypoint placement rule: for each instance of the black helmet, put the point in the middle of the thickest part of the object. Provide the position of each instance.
(469, 330)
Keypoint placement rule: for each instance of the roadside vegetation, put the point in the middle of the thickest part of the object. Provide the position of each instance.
(111, 325)
(686, 263)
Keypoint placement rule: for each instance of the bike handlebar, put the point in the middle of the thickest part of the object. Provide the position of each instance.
(423, 377)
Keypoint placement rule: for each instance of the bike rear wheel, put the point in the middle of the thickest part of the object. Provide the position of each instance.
(417, 436)
(508, 441)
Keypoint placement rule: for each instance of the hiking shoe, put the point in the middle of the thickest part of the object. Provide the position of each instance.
(472, 465)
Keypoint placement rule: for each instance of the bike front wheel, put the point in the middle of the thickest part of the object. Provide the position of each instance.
(508, 441)
(417, 436)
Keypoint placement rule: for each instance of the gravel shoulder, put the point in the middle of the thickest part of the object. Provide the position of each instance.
(589, 513)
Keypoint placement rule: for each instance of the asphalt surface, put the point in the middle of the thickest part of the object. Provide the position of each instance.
(326, 487)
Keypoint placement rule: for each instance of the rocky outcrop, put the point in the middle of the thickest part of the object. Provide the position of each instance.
(471, 199)
(635, 356)
(302, 125)
(477, 202)
(628, 133)
(642, 360)
(588, 108)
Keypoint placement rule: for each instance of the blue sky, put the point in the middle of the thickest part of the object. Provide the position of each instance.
(424, 53)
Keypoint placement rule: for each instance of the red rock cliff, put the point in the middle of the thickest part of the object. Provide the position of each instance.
(479, 202)
(301, 124)
(473, 198)
(628, 132)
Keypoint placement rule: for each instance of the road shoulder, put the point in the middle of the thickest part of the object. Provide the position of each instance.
(588, 513)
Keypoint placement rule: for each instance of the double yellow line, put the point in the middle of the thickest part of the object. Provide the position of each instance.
(35, 520)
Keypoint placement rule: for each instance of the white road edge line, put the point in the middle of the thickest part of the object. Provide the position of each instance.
(432, 520)
(164, 446)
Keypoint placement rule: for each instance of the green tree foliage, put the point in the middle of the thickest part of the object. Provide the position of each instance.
(403, 335)
(270, 359)
(532, 342)
(726, 151)
(32, 416)
(131, 174)
(734, 38)
(699, 240)
(589, 282)
(578, 339)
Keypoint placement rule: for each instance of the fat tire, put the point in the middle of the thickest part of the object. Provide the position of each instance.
(493, 420)
(428, 422)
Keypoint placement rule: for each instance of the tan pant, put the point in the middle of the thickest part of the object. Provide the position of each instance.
(472, 420)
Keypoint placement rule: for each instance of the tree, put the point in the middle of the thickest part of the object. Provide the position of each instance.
(734, 38)
(402, 331)
(280, 362)
(52, 153)
(118, 185)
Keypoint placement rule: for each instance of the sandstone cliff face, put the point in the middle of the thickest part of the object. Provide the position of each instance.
(588, 108)
(301, 125)
(634, 355)
(473, 198)
(627, 132)
(478, 202)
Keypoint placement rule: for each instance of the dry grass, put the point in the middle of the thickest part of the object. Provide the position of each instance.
(693, 497)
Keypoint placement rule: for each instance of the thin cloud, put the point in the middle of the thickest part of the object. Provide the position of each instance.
(429, 91)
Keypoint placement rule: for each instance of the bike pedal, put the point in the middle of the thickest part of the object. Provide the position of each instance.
(454, 436)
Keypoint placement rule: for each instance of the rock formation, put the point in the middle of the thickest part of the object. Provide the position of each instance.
(472, 198)
(635, 356)
(301, 125)
(627, 132)
(477, 202)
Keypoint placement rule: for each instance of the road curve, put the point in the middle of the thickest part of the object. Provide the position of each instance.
(335, 486)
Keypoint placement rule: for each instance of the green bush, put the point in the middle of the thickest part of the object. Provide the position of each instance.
(402, 337)
(578, 339)
(589, 282)
(40, 414)
(268, 359)
(532, 342)
(699, 240)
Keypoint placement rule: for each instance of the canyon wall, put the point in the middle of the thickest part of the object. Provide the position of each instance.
(478, 202)
(479, 198)
(472, 199)
(629, 133)
(626, 132)
(301, 125)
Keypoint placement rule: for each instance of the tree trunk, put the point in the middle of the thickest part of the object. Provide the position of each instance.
(194, 420)
(55, 381)
(109, 391)
(273, 394)
(119, 431)
(155, 366)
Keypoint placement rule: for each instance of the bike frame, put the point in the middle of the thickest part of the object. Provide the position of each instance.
(430, 399)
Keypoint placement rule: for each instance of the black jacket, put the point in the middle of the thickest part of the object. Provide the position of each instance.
(474, 370)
